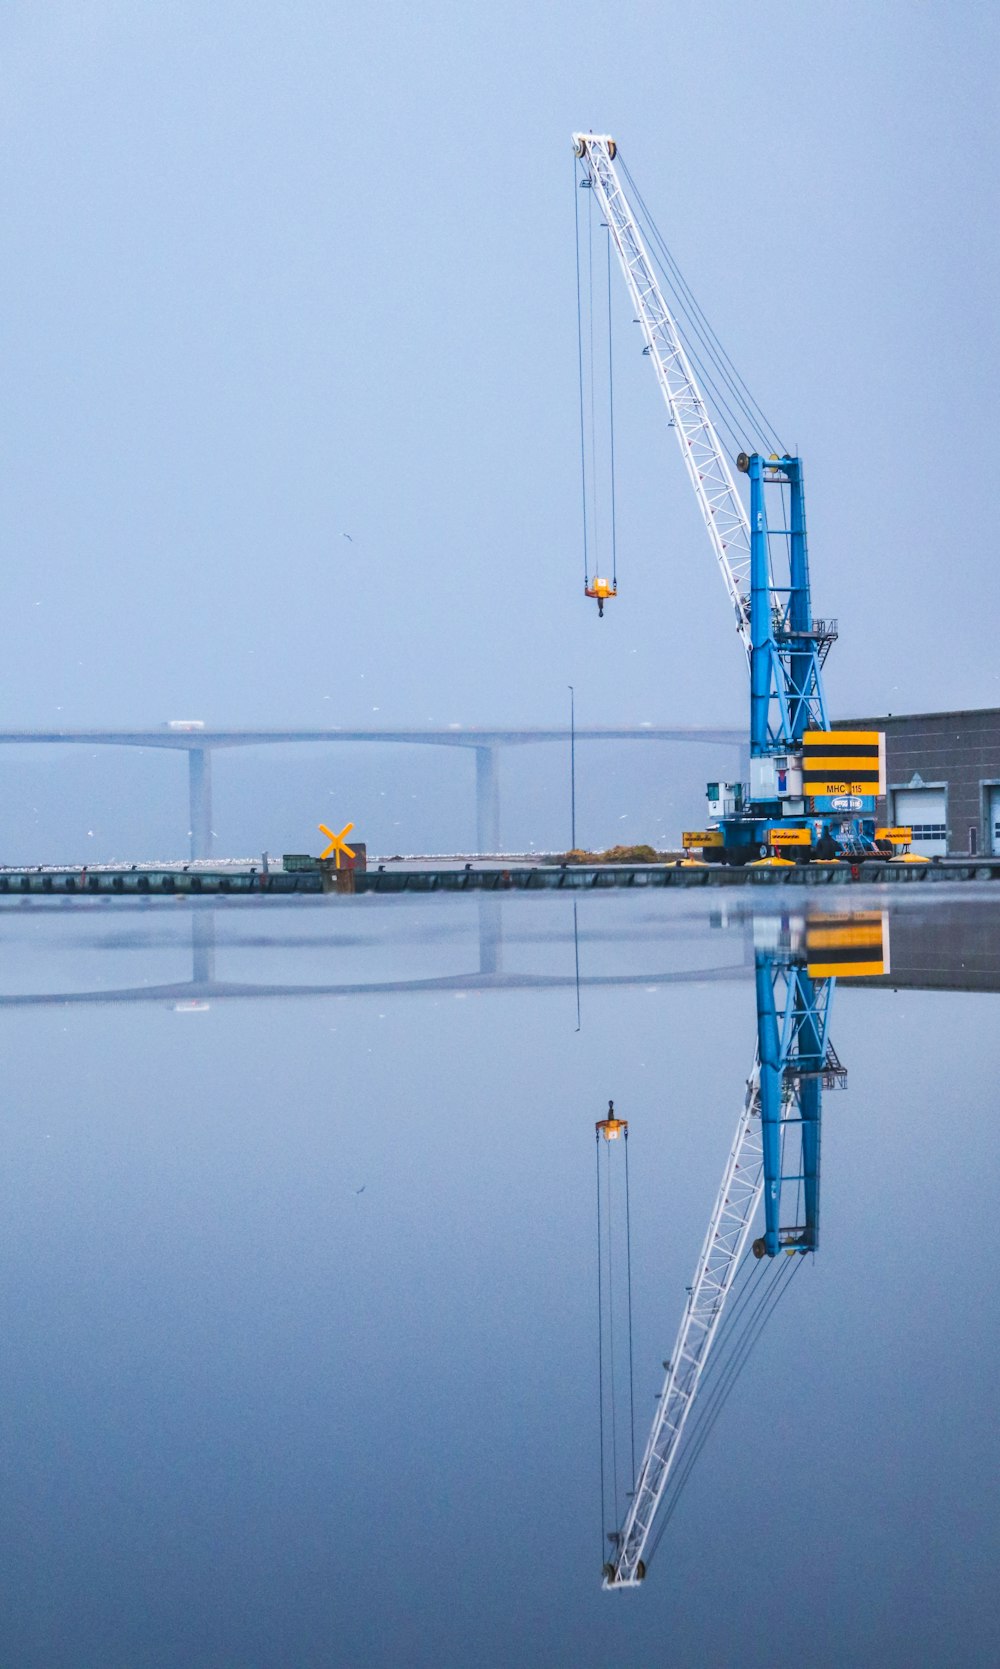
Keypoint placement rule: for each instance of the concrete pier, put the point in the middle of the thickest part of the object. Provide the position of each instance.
(237, 877)
(203, 946)
(200, 801)
(487, 799)
(490, 933)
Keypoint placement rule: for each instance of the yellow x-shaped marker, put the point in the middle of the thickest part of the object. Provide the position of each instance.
(337, 842)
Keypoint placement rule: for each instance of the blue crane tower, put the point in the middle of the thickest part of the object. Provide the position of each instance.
(811, 789)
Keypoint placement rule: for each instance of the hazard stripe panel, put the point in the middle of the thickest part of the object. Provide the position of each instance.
(819, 738)
(843, 762)
(848, 948)
(823, 938)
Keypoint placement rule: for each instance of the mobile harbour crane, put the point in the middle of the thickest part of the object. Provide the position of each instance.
(775, 1155)
(811, 788)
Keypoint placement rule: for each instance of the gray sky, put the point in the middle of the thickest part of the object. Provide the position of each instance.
(275, 274)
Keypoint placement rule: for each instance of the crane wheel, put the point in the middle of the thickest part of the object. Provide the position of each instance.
(640, 1570)
(580, 149)
(612, 149)
(758, 1248)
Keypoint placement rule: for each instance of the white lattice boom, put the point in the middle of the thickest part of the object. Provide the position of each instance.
(711, 477)
(725, 1242)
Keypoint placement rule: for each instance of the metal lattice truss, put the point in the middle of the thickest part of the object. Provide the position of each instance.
(721, 506)
(796, 1064)
(739, 1193)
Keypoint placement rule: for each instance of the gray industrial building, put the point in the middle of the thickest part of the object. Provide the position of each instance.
(942, 778)
(930, 949)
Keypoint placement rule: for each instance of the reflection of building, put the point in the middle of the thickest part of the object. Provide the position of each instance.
(943, 776)
(950, 948)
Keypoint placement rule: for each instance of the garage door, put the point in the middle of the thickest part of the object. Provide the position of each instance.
(993, 834)
(923, 810)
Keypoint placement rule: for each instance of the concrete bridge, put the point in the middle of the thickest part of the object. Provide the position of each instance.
(199, 743)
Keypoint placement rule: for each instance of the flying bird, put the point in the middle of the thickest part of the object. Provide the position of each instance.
(347, 536)
(361, 1190)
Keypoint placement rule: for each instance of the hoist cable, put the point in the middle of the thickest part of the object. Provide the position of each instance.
(600, 1340)
(628, 1264)
(711, 1407)
(799, 1178)
(687, 308)
(611, 426)
(781, 1153)
(719, 1362)
(710, 1411)
(744, 421)
(725, 418)
(737, 427)
(752, 1330)
(748, 1270)
(700, 326)
(579, 356)
(725, 1359)
(595, 525)
(703, 327)
(611, 1339)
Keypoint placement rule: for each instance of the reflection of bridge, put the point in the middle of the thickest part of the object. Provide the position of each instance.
(200, 744)
(205, 986)
(952, 945)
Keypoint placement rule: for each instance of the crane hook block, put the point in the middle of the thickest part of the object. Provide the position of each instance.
(601, 590)
(611, 1127)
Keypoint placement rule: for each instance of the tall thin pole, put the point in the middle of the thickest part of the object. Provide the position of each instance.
(572, 766)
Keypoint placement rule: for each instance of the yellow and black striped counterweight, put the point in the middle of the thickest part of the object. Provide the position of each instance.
(848, 947)
(843, 762)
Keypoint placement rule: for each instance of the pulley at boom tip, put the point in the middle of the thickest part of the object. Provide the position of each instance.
(582, 140)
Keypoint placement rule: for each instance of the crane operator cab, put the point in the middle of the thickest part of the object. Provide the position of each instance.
(602, 590)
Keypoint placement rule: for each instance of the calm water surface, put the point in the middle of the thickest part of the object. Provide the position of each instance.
(299, 1288)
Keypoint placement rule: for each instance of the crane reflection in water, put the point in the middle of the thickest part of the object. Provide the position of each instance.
(775, 1156)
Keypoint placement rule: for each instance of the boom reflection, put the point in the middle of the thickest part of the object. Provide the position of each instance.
(776, 1149)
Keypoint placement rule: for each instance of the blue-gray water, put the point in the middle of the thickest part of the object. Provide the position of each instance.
(255, 1417)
